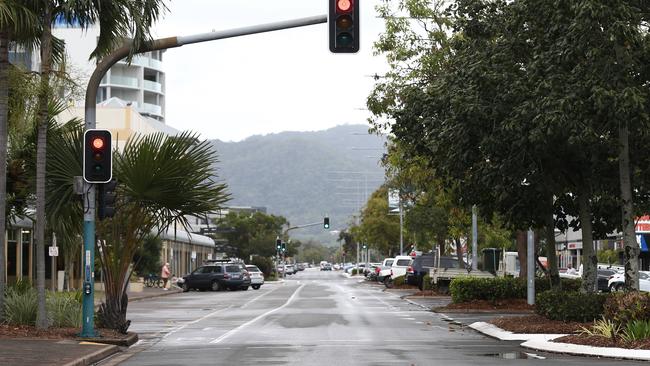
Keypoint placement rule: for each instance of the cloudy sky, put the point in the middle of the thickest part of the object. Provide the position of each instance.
(266, 83)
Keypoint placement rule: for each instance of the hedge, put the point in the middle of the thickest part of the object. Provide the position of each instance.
(570, 305)
(465, 289)
(623, 308)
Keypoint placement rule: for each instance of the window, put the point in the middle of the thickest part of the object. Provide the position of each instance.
(198, 270)
(217, 269)
(403, 262)
(233, 269)
(253, 269)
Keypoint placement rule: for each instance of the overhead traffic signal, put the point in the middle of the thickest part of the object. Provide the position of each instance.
(284, 247)
(278, 244)
(344, 26)
(97, 157)
(326, 223)
(106, 199)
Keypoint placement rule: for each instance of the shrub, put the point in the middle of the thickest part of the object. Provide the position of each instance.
(465, 289)
(570, 306)
(603, 328)
(623, 308)
(354, 271)
(427, 283)
(64, 309)
(636, 330)
(264, 264)
(21, 306)
(398, 281)
(19, 287)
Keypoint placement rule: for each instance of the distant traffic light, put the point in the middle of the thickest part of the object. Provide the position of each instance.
(364, 246)
(284, 247)
(97, 157)
(344, 26)
(326, 223)
(106, 199)
(278, 244)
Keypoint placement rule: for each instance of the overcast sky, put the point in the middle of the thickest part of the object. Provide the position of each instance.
(281, 81)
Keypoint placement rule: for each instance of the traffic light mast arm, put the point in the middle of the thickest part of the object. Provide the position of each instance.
(302, 226)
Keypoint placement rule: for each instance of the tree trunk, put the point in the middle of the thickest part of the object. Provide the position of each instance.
(522, 250)
(44, 96)
(551, 255)
(589, 260)
(112, 313)
(4, 115)
(632, 249)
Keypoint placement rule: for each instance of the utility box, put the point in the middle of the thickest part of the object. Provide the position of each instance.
(491, 259)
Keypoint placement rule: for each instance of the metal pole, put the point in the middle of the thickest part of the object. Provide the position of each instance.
(401, 226)
(357, 264)
(530, 259)
(90, 122)
(474, 239)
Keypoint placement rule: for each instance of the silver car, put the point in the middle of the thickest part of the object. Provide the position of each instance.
(257, 277)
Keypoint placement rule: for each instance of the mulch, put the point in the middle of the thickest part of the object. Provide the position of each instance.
(598, 341)
(537, 324)
(504, 305)
(26, 331)
(426, 293)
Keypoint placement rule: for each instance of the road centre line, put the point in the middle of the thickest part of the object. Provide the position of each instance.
(258, 297)
(235, 330)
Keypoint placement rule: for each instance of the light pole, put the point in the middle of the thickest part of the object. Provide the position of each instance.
(102, 67)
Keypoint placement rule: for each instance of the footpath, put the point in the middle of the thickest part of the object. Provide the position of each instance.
(66, 352)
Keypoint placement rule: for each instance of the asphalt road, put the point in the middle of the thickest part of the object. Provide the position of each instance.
(313, 318)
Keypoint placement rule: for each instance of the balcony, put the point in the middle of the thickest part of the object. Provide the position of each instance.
(148, 108)
(152, 86)
(145, 62)
(126, 81)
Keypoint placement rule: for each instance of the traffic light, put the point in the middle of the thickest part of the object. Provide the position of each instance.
(278, 244)
(106, 199)
(364, 247)
(97, 157)
(344, 26)
(284, 247)
(326, 223)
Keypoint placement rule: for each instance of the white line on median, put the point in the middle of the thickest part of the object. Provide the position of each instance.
(233, 331)
(194, 321)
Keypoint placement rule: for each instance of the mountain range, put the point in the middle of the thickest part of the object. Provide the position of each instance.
(304, 176)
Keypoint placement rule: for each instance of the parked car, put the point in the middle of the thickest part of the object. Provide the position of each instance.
(419, 268)
(300, 267)
(326, 267)
(257, 277)
(604, 274)
(290, 269)
(617, 281)
(384, 270)
(216, 277)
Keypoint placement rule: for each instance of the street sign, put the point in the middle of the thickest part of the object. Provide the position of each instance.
(54, 251)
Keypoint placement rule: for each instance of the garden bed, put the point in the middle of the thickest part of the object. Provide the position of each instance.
(31, 332)
(537, 324)
(598, 341)
(507, 305)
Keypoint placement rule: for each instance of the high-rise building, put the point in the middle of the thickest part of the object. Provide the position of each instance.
(141, 83)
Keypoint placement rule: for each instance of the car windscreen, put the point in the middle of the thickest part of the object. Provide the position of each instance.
(403, 262)
(233, 269)
(389, 263)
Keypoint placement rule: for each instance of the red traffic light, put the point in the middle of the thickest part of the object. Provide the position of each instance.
(343, 6)
(98, 143)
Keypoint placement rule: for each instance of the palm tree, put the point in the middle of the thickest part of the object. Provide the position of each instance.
(17, 24)
(161, 179)
(118, 19)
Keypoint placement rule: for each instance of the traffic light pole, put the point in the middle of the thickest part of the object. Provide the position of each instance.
(90, 123)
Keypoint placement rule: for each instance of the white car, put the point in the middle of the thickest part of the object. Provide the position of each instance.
(257, 277)
(384, 270)
(617, 281)
(399, 266)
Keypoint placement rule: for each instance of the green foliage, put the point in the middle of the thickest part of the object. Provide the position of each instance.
(465, 289)
(623, 308)
(636, 330)
(20, 307)
(609, 256)
(64, 309)
(21, 286)
(147, 256)
(427, 283)
(378, 228)
(603, 328)
(253, 234)
(265, 265)
(354, 272)
(399, 281)
(570, 306)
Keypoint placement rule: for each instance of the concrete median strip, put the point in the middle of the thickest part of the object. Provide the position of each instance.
(543, 342)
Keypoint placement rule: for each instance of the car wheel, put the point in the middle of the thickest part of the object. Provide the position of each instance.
(619, 287)
(388, 282)
(185, 287)
(244, 288)
(256, 287)
(215, 286)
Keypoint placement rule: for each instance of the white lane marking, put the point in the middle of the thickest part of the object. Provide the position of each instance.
(235, 330)
(174, 330)
(258, 297)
